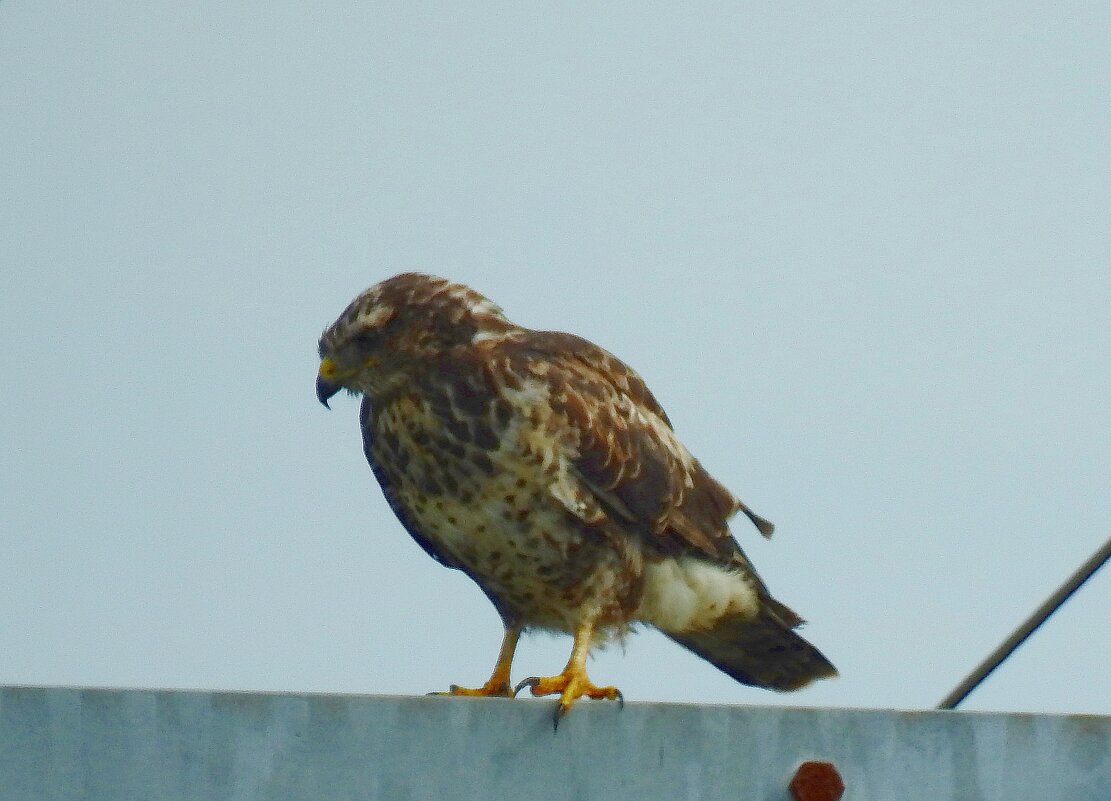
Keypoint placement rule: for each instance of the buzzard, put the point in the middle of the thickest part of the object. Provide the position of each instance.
(542, 467)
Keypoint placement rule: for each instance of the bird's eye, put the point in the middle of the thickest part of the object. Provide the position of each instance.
(365, 340)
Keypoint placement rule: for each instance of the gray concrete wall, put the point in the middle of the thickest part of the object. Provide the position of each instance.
(117, 745)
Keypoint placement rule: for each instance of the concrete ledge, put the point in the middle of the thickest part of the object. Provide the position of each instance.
(116, 745)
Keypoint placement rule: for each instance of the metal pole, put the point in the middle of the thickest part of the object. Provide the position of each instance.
(1029, 626)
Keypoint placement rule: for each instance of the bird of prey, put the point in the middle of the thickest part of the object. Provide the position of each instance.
(542, 467)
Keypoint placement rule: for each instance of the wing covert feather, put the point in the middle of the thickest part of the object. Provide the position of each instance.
(624, 449)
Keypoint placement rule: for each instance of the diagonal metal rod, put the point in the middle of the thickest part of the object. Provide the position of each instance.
(1028, 627)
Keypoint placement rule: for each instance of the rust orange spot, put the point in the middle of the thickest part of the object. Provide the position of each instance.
(817, 781)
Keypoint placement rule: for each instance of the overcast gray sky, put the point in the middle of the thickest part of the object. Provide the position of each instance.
(860, 251)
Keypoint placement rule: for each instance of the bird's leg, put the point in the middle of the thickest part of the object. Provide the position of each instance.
(573, 682)
(498, 683)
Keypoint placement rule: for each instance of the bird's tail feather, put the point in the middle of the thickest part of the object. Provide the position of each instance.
(764, 652)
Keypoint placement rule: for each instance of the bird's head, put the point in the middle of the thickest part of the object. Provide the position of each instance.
(397, 325)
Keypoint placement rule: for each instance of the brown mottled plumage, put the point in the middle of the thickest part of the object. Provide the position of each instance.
(543, 467)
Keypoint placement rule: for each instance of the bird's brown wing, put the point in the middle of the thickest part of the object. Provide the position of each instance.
(624, 450)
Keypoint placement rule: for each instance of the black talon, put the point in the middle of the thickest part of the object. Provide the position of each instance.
(531, 681)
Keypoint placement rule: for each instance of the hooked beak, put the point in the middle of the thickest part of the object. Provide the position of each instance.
(326, 387)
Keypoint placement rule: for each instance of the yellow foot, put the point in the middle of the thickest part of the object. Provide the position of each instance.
(569, 686)
(491, 689)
